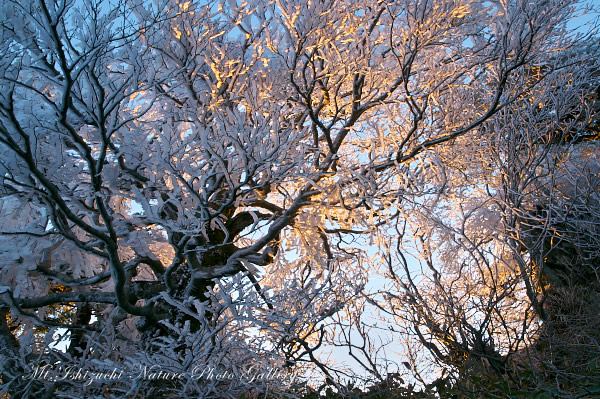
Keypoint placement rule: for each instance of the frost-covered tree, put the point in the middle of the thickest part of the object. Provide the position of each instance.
(201, 184)
(507, 233)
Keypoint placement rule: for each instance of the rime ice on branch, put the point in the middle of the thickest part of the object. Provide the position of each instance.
(204, 182)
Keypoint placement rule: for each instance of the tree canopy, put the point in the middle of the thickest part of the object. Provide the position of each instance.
(217, 188)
